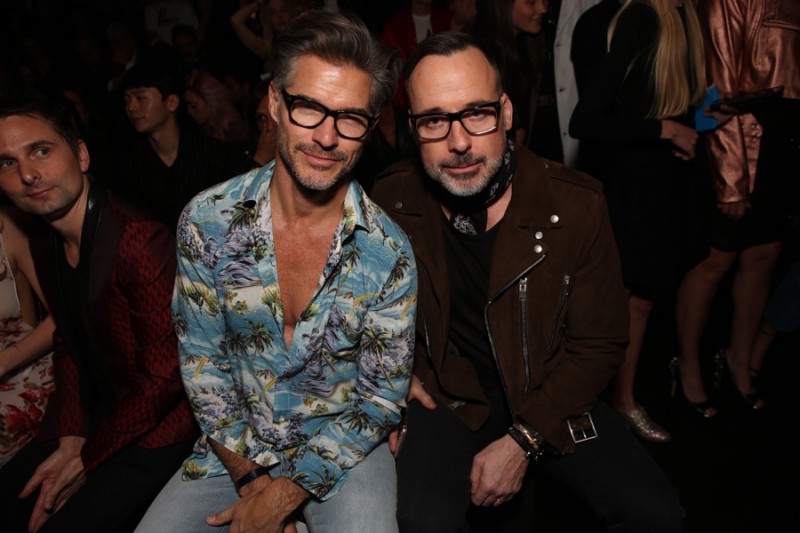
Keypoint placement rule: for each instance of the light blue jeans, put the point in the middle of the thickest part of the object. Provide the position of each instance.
(366, 502)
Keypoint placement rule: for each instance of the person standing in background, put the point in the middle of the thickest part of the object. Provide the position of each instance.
(752, 45)
(640, 105)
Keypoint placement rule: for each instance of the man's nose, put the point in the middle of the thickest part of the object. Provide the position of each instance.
(28, 173)
(325, 134)
(458, 140)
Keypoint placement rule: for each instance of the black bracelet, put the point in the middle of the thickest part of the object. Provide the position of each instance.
(515, 434)
(250, 476)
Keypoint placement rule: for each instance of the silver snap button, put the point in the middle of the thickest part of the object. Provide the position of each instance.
(554, 218)
(538, 234)
(538, 248)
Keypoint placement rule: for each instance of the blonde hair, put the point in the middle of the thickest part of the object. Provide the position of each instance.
(676, 84)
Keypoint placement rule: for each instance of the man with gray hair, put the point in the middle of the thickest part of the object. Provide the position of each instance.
(294, 307)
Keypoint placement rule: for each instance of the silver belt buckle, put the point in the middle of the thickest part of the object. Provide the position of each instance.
(582, 428)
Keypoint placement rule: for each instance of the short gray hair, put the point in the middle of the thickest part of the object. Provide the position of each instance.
(339, 39)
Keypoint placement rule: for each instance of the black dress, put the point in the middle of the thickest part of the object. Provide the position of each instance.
(656, 200)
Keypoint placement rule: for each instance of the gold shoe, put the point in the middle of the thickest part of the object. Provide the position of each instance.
(642, 425)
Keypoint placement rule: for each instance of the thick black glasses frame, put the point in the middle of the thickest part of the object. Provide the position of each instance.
(290, 99)
(458, 115)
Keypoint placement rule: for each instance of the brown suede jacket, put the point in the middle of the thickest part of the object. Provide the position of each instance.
(751, 45)
(557, 313)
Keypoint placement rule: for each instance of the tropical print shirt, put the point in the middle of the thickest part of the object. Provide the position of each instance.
(320, 406)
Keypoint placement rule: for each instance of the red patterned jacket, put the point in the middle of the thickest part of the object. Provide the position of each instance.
(126, 294)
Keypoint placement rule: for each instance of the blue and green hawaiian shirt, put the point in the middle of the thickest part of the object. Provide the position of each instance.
(319, 407)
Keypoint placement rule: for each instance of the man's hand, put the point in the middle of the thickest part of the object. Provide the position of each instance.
(734, 210)
(264, 509)
(416, 391)
(59, 476)
(497, 472)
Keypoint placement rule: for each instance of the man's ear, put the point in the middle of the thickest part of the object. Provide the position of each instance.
(506, 111)
(173, 101)
(83, 157)
(274, 103)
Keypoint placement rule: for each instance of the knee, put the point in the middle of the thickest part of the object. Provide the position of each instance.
(656, 513)
(430, 520)
(639, 308)
(421, 511)
(760, 258)
(711, 271)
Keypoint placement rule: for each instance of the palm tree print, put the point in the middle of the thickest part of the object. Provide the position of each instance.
(346, 374)
(258, 336)
(243, 214)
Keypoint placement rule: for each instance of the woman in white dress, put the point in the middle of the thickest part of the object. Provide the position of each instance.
(26, 366)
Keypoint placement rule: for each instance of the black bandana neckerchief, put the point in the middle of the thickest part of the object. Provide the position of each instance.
(469, 213)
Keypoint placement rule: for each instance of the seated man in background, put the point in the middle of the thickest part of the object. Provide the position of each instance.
(168, 163)
(118, 423)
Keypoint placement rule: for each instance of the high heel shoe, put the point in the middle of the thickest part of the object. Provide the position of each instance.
(754, 400)
(643, 425)
(705, 409)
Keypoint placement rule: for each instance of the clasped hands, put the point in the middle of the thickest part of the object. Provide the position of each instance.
(58, 478)
(497, 471)
(265, 506)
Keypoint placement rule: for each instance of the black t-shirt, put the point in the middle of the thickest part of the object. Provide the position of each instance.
(97, 395)
(468, 262)
(145, 181)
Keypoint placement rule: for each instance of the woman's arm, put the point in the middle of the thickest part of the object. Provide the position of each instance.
(40, 340)
(250, 40)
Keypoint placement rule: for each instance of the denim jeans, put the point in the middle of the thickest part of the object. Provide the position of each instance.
(366, 502)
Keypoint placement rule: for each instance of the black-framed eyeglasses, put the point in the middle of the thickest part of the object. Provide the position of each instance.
(477, 120)
(309, 114)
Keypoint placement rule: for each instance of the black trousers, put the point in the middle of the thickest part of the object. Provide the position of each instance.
(613, 473)
(113, 499)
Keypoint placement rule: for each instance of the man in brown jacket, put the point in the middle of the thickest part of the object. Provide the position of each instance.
(521, 318)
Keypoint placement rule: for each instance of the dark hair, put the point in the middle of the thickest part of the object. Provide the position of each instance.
(446, 44)
(153, 74)
(493, 28)
(184, 29)
(22, 101)
(340, 39)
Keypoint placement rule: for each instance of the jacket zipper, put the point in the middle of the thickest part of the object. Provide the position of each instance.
(421, 308)
(427, 339)
(523, 313)
(489, 331)
(559, 309)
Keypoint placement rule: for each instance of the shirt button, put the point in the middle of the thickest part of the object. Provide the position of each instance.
(398, 205)
(538, 234)
(538, 248)
(553, 218)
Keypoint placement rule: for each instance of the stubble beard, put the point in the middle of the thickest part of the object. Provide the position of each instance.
(288, 156)
(467, 185)
(56, 210)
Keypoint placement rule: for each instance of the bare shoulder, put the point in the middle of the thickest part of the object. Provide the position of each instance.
(12, 222)
(17, 220)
